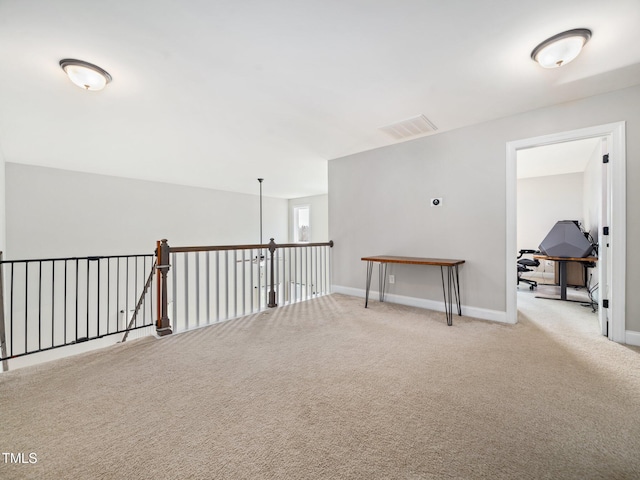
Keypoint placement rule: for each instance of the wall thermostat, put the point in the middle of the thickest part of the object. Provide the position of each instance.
(436, 202)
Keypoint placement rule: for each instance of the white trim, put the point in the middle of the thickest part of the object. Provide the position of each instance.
(632, 338)
(475, 312)
(618, 227)
(617, 224)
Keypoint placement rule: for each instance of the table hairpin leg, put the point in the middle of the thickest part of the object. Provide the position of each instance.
(451, 289)
(382, 279)
(369, 271)
(457, 290)
(382, 276)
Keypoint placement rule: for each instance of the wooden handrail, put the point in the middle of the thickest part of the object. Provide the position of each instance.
(213, 248)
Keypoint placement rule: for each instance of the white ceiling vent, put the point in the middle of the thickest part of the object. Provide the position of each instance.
(410, 128)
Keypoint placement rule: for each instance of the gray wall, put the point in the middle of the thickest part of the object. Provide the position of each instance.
(3, 229)
(542, 201)
(379, 201)
(53, 212)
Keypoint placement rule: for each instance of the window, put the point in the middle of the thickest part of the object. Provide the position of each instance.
(301, 223)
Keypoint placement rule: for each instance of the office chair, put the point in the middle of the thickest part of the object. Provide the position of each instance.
(525, 265)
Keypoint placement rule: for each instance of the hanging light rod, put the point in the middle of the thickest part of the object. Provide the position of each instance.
(560, 49)
(84, 74)
(261, 180)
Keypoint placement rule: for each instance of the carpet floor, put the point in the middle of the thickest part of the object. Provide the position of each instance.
(326, 389)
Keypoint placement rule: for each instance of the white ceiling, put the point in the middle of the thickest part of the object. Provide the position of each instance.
(557, 158)
(216, 93)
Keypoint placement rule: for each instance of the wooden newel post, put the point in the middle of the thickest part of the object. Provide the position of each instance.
(272, 292)
(163, 327)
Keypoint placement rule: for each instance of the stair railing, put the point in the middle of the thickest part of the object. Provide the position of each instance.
(201, 285)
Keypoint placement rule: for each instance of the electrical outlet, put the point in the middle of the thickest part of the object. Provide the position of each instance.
(392, 279)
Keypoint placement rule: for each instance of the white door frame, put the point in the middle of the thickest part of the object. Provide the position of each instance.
(617, 221)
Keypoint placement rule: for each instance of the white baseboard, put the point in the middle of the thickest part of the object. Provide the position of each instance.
(632, 338)
(467, 311)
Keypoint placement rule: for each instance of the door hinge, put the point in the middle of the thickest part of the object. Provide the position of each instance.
(605, 303)
(605, 230)
(605, 158)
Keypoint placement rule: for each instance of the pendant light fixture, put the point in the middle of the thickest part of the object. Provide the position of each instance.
(560, 49)
(84, 74)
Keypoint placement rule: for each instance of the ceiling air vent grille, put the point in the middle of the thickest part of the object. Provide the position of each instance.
(410, 128)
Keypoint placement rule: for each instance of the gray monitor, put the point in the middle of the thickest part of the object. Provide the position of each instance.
(566, 239)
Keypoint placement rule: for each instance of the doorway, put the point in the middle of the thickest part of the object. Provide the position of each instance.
(560, 187)
(612, 242)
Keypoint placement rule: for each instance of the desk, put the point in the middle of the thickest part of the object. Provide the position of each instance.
(562, 263)
(453, 284)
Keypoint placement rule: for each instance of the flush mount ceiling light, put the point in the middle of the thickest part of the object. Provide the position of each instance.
(561, 48)
(84, 74)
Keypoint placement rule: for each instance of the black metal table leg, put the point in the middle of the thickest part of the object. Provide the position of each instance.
(563, 280)
(451, 289)
(382, 279)
(444, 292)
(369, 271)
(457, 290)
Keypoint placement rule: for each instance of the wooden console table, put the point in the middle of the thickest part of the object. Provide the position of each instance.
(562, 263)
(451, 289)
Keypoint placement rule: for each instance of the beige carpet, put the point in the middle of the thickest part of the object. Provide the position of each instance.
(327, 389)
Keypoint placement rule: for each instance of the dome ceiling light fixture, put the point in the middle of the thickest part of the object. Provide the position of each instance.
(84, 74)
(560, 49)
